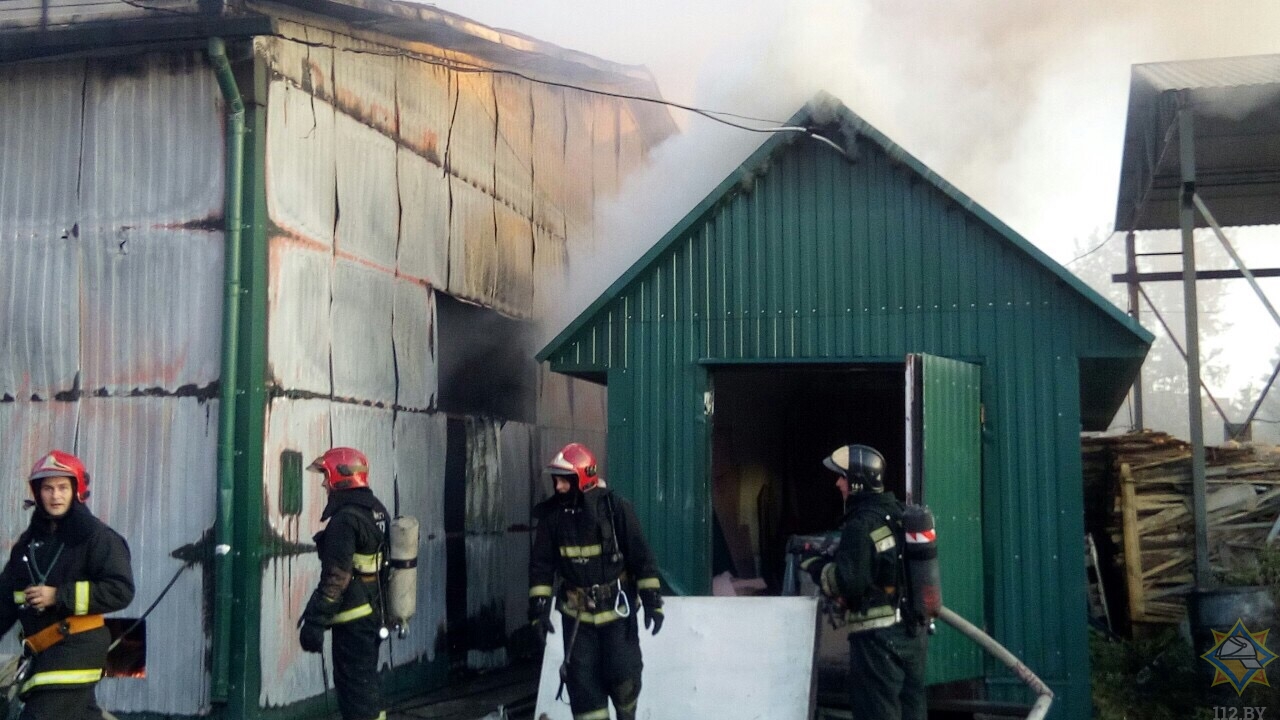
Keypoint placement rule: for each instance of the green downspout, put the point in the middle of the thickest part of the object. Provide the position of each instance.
(222, 552)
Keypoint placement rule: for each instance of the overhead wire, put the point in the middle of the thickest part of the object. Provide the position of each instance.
(720, 116)
(1093, 250)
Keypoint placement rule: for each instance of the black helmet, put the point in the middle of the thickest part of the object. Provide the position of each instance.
(863, 465)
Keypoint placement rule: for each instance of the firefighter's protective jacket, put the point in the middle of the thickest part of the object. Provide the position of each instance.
(89, 564)
(593, 541)
(867, 571)
(350, 549)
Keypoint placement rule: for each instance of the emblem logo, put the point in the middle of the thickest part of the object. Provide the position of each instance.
(1239, 657)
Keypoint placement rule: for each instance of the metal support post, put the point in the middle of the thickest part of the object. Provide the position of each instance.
(1187, 219)
(1131, 269)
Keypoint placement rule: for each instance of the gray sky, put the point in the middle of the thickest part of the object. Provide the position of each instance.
(1019, 104)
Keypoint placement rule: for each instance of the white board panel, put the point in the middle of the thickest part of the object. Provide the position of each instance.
(363, 363)
(414, 328)
(424, 219)
(368, 206)
(299, 286)
(301, 171)
(753, 655)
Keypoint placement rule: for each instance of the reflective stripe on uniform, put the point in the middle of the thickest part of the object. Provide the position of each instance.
(381, 716)
(367, 564)
(883, 538)
(877, 617)
(828, 581)
(19, 597)
(599, 618)
(62, 677)
(540, 591)
(649, 584)
(82, 597)
(354, 613)
(601, 714)
(571, 551)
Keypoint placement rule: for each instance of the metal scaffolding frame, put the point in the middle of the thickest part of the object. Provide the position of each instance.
(1189, 204)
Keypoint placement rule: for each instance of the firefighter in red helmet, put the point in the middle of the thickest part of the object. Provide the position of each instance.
(589, 537)
(349, 598)
(64, 573)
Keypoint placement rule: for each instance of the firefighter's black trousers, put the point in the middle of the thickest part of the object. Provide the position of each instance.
(355, 668)
(73, 703)
(886, 668)
(605, 665)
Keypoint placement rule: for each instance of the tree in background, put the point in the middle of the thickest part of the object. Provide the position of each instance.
(1164, 374)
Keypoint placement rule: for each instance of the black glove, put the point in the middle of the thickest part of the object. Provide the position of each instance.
(311, 637)
(814, 563)
(652, 601)
(314, 619)
(540, 616)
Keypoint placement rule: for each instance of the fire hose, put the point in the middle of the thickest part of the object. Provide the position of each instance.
(1044, 695)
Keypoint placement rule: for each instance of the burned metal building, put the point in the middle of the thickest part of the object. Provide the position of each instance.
(237, 233)
(836, 292)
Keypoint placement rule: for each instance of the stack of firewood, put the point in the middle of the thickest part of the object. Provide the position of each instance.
(1148, 476)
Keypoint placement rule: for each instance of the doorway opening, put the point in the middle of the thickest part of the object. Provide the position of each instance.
(771, 429)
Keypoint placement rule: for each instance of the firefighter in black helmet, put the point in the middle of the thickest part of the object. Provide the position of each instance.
(349, 599)
(591, 539)
(887, 644)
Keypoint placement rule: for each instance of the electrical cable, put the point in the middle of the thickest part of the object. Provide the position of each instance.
(153, 605)
(715, 115)
(1095, 249)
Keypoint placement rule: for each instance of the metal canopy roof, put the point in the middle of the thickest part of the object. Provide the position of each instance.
(1236, 109)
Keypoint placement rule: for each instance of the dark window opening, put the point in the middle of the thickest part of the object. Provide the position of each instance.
(485, 361)
(129, 658)
(771, 430)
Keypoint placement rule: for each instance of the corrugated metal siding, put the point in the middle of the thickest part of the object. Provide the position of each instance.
(368, 207)
(1211, 73)
(759, 277)
(43, 14)
(361, 355)
(389, 180)
(110, 207)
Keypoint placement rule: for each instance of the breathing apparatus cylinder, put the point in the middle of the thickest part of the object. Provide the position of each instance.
(922, 561)
(403, 583)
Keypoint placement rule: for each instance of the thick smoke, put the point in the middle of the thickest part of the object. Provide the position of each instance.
(1020, 105)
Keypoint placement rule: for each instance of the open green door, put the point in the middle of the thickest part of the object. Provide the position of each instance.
(944, 458)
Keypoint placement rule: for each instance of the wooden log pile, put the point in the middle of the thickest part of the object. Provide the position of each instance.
(1150, 526)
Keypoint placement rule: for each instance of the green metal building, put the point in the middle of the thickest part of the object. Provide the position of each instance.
(822, 296)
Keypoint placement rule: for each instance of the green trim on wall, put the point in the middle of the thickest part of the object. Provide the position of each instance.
(246, 679)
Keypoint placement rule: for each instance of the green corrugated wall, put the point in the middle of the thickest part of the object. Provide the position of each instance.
(809, 257)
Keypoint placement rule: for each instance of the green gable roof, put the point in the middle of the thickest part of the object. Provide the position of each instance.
(825, 111)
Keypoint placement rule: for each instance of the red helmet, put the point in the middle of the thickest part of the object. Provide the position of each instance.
(577, 461)
(343, 468)
(61, 464)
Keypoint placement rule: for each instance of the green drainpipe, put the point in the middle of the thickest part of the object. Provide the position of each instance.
(222, 553)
